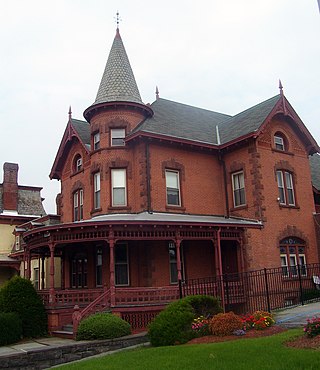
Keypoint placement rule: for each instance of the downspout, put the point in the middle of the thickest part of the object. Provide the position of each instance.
(222, 162)
(148, 178)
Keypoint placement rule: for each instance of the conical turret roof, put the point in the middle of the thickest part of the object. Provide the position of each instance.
(118, 83)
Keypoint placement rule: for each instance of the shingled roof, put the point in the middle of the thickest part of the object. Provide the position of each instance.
(315, 170)
(83, 130)
(118, 83)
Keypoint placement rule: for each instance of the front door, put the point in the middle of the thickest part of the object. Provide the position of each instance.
(229, 257)
(79, 267)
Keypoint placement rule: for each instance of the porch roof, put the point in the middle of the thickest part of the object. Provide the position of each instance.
(175, 218)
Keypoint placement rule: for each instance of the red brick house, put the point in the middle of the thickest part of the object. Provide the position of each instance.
(155, 194)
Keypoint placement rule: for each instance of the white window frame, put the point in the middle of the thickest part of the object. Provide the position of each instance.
(238, 187)
(293, 265)
(285, 188)
(97, 191)
(117, 136)
(36, 277)
(79, 164)
(284, 265)
(121, 264)
(175, 189)
(119, 183)
(279, 143)
(302, 264)
(96, 141)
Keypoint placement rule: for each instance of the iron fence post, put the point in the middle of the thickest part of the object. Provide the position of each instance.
(227, 291)
(267, 289)
(300, 285)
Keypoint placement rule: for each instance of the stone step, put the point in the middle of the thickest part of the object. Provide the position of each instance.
(62, 334)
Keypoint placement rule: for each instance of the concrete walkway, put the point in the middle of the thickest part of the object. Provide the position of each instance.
(297, 316)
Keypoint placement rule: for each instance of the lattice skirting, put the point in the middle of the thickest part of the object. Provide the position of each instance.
(139, 320)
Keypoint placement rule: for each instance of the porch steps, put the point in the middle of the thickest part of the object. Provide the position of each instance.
(66, 332)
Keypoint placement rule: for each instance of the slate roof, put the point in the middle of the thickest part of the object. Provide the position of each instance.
(83, 130)
(118, 82)
(315, 170)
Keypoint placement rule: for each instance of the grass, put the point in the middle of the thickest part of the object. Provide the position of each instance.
(245, 354)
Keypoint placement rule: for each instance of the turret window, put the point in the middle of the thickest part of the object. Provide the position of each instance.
(96, 141)
(119, 193)
(96, 181)
(117, 136)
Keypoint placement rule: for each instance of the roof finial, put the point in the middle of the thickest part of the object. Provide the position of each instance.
(280, 87)
(70, 113)
(157, 93)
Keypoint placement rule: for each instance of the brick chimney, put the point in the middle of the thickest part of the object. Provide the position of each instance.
(10, 186)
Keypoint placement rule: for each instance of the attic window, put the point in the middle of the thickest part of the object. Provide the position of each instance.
(77, 163)
(279, 142)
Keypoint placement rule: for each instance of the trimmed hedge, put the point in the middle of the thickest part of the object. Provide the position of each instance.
(19, 296)
(10, 328)
(173, 325)
(102, 326)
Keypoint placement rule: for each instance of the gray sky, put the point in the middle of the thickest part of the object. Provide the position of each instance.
(222, 55)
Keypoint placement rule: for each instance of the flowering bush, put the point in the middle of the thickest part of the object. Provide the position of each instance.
(259, 320)
(200, 326)
(312, 329)
(225, 323)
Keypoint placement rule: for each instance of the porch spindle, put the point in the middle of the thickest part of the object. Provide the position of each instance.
(112, 277)
(51, 288)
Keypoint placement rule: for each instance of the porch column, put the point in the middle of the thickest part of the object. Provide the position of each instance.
(28, 261)
(42, 271)
(112, 278)
(178, 243)
(220, 268)
(51, 287)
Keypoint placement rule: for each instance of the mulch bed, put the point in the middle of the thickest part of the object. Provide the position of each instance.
(300, 342)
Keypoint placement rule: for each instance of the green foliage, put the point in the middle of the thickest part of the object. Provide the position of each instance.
(174, 324)
(225, 324)
(102, 326)
(10, 328)
(19, 296)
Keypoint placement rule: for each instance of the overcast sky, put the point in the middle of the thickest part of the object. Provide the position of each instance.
(222, 55)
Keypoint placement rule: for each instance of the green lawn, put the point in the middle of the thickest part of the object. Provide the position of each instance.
(261, 353)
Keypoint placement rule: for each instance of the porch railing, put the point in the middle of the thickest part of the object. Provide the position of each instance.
(267, 289)
(70, 297)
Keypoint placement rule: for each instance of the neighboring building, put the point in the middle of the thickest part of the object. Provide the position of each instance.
(155, 194)
(18, 204)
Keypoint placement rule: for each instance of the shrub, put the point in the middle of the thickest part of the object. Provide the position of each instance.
(174, 324)
(10, 328)
(19, 296)
(102, 326)
(225, 324)
(312, 329)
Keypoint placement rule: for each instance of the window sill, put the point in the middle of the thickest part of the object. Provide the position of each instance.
(239, 208)
(114, 208)
(175, 208)
(282, 151)
(286, 206)
(96, 210)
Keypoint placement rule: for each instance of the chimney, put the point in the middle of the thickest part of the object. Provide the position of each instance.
(10, 186)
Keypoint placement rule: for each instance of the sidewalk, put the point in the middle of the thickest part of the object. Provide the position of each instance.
(297, 316)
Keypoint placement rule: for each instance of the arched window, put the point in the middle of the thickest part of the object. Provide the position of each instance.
(77, 163)
(280, 142)
(292, 257)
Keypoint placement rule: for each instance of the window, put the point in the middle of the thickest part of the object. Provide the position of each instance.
(173, 263)
(96, 180)
(173, 188)
(117, 136)
(99, 267)
(78, 205)
(96, 141)
(285, 187)
(239, 198)
(79, 271)
(119, 196)
(292, 257)
(121, 264)
(36, 277)
(279, 142)
(77, 163)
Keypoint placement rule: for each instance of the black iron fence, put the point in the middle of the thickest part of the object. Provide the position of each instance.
(266, 289)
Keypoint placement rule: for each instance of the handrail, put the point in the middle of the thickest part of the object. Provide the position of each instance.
(98, 305)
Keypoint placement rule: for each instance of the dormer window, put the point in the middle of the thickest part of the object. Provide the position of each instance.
(117, 136)
(279, 142)
(96, 141)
